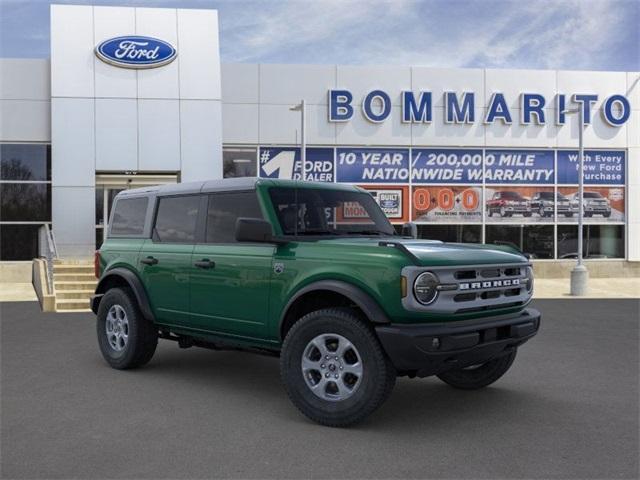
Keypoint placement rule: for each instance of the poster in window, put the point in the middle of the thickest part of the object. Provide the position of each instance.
(447, 203)
(394, 201)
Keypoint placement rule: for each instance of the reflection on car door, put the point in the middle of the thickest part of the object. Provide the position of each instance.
(230, 281)
(165, 259)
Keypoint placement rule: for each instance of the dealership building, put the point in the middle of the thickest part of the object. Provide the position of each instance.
(470, 155)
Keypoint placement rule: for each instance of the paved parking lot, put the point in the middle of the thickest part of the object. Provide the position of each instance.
(567, 409)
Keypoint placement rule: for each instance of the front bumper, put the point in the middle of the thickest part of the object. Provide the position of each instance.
(413, 349)
(602, 210)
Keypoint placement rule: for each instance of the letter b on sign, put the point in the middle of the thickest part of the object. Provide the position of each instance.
(340, 109)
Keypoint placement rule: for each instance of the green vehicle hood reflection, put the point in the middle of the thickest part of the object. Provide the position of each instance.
(436, 253)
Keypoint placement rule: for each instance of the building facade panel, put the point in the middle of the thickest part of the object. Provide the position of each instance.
(240, 83)
(73, 75)
(441, 80)
(199, 54)
(116, 134)
(513, 83)
(288, 84)
(242, 126)
(360, 131)
(362, 80)
(25, 121)
(110, 22)
(439, 132)
(73, 142)
(200, 140)
(72, 210)
(158, 141)
(24, 79)
(159, 82)
(516, 134)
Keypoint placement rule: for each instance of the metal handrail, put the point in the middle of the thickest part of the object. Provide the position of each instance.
(50, 253)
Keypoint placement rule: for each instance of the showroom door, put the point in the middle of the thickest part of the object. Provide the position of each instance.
(108, 185)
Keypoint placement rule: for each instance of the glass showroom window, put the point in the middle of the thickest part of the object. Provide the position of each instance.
(599, 241)
(536, 240)
(25, 198)
(451, 233)
(239, 162)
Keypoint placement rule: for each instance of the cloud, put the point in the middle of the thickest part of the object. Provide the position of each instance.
(544, 34)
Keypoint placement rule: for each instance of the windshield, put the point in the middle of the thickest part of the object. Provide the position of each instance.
(592, 195)
(328, 212)
(546, 195)
(512, 196)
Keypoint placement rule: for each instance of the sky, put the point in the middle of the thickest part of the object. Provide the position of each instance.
(533, 34)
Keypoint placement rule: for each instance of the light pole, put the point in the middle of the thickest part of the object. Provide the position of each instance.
(303, 140)
(580, 274)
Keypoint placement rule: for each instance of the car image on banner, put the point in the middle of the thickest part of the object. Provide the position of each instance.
(601, 205)
(521, 204)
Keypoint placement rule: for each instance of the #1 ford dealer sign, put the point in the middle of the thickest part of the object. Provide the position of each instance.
(136, 52)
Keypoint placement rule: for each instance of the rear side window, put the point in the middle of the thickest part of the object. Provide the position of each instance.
(176, 219)
(224, 209)
(129, 215)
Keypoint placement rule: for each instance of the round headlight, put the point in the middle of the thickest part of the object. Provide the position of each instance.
(529, 279)
(424, 288)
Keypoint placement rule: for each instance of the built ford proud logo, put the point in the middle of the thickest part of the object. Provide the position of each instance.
(136, 52)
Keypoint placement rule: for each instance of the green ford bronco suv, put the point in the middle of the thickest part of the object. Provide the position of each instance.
(316, 274)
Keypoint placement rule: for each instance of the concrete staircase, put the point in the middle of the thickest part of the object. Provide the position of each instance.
(73, 283)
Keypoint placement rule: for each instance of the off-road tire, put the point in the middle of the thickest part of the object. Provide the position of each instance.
(378, 377)
(480, 377)
(142, 333)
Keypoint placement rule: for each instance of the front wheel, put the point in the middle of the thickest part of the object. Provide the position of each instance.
(479, 376)
(334, 369)
(126, 338)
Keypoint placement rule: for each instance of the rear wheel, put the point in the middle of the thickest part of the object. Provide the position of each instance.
(481, 375)
(126, 338)
(334, 369)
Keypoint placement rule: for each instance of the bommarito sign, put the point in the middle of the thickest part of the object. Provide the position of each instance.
(460, 108)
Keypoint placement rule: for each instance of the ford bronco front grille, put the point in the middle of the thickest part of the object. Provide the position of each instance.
(474, 288)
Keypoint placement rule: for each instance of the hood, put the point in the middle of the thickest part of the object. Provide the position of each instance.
(436, 253)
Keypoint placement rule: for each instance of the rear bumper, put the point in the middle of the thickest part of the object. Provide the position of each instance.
(429, 349)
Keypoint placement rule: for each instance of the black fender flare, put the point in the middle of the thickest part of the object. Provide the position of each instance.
(134, 283)
(368, 305)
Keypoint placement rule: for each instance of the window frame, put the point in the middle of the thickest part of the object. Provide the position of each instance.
(144, 233)
(205, 215)
(197, 234)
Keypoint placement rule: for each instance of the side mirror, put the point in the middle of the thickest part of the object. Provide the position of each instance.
(410, 229)
(255, 230)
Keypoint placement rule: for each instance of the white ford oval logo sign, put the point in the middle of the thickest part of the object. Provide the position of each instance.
(135, 51)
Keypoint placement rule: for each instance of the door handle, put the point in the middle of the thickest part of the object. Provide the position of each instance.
(205, 263)
(149, 260)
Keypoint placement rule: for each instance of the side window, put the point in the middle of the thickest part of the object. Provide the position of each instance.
(129, 215)
(224, 209)
(176, 219)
